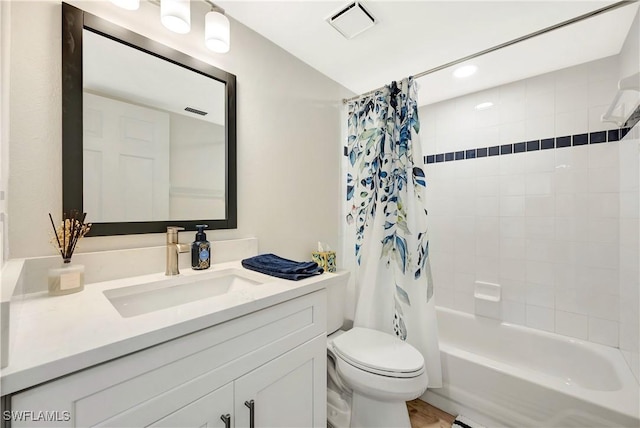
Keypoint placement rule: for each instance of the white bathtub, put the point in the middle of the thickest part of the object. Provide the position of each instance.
(501, 374)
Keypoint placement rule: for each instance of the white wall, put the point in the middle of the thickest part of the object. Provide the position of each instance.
(289, 144)
(197, 154)
(542, 224)
(5, 28)
(629, 161)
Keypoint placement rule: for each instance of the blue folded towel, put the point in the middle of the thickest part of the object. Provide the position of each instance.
(273, 265)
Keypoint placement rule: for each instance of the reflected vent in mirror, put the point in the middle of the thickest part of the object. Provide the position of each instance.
(196, 111)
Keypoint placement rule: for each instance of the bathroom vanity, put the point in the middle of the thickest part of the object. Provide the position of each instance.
(254, 354)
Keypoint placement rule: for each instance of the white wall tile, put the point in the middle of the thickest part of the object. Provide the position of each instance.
(603, 180)
(512, 185)
(487, 268)
(540, 183)
(540, 318)
(488, 206)
(603, 331)
(540, 295)
(485, 137)
(571, 98)
(512, 227)
(570, 324)
(489, 166)
(512, 206)
(513, 312)
(572, 300)
(539, 161)
(601, 255)
(487, 185)
(539, 206)
(512, 248)
(606, 205)
(513, 290)
(602, 91)
(604, 306)
(463, 302)
(542, 250)
(443, 297)
(513, 269)
(604, 230)
(572, 122)
(572, 157)
(512, 132)
(540, 272)
(464, 282)
(603, 155)
(541, 126)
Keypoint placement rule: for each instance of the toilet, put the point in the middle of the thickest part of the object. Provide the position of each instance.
(371, 374)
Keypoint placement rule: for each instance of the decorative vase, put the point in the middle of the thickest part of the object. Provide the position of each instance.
(66, 279)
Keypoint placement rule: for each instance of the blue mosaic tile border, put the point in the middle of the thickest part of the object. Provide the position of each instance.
(531, 146)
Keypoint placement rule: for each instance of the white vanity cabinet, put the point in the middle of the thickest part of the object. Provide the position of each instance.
(273, 360)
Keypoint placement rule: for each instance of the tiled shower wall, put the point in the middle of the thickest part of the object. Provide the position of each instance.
(542, 222)
(629, 161)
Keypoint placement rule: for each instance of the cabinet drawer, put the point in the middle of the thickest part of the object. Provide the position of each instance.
(202, 361)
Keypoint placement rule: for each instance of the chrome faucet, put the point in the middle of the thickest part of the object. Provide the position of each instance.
(173, 249)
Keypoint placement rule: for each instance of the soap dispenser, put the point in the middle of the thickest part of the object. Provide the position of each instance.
(200, 250)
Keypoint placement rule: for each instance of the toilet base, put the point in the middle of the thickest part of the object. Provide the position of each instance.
(367, 412)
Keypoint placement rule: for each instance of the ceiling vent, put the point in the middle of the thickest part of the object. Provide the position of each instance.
(352, 20)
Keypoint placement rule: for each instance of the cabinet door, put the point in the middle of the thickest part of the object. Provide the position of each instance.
(205, 412)
(289, 391)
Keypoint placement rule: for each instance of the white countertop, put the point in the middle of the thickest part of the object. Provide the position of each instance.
(52, 336)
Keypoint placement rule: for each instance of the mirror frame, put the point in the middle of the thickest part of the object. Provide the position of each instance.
(74, 20)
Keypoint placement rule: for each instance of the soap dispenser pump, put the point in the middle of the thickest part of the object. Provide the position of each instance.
(200, 250)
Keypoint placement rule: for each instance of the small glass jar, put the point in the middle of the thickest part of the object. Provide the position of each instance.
(66, 279)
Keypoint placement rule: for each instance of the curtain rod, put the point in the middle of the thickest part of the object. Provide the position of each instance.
(509, 43)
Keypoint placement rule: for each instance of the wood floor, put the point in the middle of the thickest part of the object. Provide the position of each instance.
(424, 415)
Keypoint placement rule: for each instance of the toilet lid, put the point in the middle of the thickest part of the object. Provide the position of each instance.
(378, 352)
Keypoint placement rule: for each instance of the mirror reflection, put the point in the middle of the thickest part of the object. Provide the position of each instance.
(154, 137)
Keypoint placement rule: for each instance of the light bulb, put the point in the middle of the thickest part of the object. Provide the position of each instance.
(176, 15)
(217, 32)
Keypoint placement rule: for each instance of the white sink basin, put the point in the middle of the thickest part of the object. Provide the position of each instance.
(152, 296)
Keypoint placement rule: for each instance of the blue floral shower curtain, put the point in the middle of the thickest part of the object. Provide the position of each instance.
(385, 193)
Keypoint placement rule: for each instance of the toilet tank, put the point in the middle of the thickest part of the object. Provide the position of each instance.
(336, 296)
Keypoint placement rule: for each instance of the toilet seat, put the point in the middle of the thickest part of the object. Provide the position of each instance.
(379, 353)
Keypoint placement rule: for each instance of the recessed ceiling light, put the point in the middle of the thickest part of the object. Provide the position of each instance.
(484, 106)
(465, 71)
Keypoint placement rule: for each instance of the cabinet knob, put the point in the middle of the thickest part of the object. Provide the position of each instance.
(251, 405)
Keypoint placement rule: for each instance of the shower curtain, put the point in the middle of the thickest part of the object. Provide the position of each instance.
(385, 194)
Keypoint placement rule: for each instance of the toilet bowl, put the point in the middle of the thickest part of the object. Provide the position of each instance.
(375, 371)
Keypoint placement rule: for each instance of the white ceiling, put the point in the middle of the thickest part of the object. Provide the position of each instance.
(414, 36)
(116, 70)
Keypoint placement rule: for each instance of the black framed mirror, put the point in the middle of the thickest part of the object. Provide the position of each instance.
(137, 157)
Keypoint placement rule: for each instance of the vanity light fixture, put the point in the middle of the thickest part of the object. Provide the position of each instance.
(176, 15)
(465, 71)
(216, 30)
(484, 106)
(127, 4)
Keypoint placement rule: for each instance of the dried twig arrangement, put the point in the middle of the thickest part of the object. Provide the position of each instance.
(67, 235)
